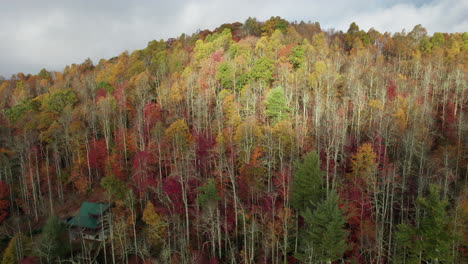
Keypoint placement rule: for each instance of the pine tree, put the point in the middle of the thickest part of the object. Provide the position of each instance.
(208, 194)
(307, 189)
(430, 240)
(324, 239)
(276, 106)
(52, 243)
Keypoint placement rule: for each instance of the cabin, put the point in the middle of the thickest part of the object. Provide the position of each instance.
(91, 222)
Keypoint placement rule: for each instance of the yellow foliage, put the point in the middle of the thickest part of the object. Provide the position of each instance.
(402, 77)
(400, 119)
(283, 135)
(156, 224)
(320, 67)
(11, 252)
(364, 165)
(177, 92)
(320, 45)
(263, 47)
(231, 112)
(4, 87)
(150, 216)
(377, 104)
(117, 71)
(178, 134)
(202, 50)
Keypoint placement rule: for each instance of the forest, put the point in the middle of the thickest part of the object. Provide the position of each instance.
(256, 142)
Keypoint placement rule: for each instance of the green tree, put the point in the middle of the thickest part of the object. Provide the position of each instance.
(274, 23)
(44, 75)
(425, 45)
(438, 39)
(430, 239)
(115, 187)
(208, 194)
(307, 189)
(225, 75)
(58, 100)
(52, 243)
(324, 237)
(276, 105)
(297, 57)
(262, 71)
(20, 110)
(251, 27)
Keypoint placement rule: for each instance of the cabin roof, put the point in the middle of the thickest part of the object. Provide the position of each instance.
(84, 219)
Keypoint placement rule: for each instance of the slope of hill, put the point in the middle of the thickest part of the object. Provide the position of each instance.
(258, 142)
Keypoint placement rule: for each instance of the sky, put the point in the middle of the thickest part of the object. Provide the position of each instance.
(54, 33)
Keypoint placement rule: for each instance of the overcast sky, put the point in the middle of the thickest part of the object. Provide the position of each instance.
(54, 33)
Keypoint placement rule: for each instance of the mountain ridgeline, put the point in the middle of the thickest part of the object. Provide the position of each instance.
(258, 142)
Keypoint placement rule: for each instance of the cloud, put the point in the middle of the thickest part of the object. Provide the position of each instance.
(52, 34)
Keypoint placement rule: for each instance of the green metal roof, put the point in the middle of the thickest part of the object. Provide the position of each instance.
(83, 219)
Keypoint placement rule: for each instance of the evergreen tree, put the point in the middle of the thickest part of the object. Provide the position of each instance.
(297, 57)
(276, 106)
(307, 187)
(208, 195)
(251, 27)
(324, 239)
(52, 242)
(430, 240)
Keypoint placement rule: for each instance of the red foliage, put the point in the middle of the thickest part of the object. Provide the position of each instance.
(229, 218)
(119, 95)
(203, 158)
(350, 147)
(291, 260)
(358, 211)
(392, 90)
(209, 68)
(143, 170)
(217, 56)
(4, 201)
(29, 260)
(32, 175)
(101, 93)
(173, 189)
(124, 143)
(446, 121)
(285, 51)
(267, 203)
(151, 114)
(213, 260)
(97, 155)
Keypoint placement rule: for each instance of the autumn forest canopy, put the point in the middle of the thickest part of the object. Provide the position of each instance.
(257, 142)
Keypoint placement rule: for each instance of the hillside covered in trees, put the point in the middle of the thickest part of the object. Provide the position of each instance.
(258, 142)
